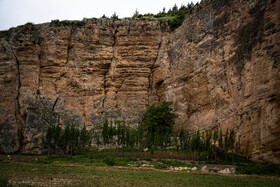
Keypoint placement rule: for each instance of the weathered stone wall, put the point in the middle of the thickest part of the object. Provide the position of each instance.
(80, 72)
(220, 69)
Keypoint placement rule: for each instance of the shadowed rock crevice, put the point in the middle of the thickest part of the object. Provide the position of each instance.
(113, 62)
(110, 72)
(150, 77)
(55, 102)
(249, 36)
(69, 44)
(105, 90)
(18, 83)
(39, 66)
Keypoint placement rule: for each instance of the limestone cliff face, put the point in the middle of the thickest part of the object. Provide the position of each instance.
(74, 74)
(220, 68)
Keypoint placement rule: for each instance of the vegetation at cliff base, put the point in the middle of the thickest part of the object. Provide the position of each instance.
(259, 169)
(4, 181)
(155, 133)
(67, 139)
(137, 155)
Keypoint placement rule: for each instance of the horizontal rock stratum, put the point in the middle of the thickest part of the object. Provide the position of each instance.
(221, 68)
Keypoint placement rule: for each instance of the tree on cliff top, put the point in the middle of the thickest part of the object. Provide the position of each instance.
(115, 16)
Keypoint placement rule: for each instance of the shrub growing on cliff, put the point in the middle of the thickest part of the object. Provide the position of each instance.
(5, 34)
(103, 16)
(135, 14)
(68, 23)
(115, 16)
(174, 16)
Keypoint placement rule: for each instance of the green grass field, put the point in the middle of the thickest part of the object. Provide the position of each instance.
(39, 174)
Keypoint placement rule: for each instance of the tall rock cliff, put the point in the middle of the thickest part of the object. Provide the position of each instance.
(220, 69)
(74, 72)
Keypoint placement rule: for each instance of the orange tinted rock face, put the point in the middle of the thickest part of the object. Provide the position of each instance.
(220, 69)
(74, 74)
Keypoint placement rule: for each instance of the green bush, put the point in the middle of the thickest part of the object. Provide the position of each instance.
(5, 34)
(115, 16)
(266, 169)
(4, 181)
(110, 160)
(68, 23)
(175, 163)
(96, 157)
(174, 16)
(131, 159)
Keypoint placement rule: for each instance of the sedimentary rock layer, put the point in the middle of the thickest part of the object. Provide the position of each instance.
(80, 72)
(220, 69)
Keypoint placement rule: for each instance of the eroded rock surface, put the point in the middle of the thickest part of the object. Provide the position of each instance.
(81, 73)
(220, 69)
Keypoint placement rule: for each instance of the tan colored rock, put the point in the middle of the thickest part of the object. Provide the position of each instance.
(220, 69)
(83, 73)
(224, 72)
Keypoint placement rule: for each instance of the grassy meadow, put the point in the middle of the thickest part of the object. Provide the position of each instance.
(115, 171)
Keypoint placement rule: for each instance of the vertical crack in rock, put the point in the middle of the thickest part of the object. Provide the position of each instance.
(55, 102)
(197, 70)
(39, 64)
(18, 116)
(122, 83)
(113, 63)
(19, 83)
(150, 77)
(118, 88)
(128, 29)
(150, 85)
(104, 87)
(69, 44)
(112, 66)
